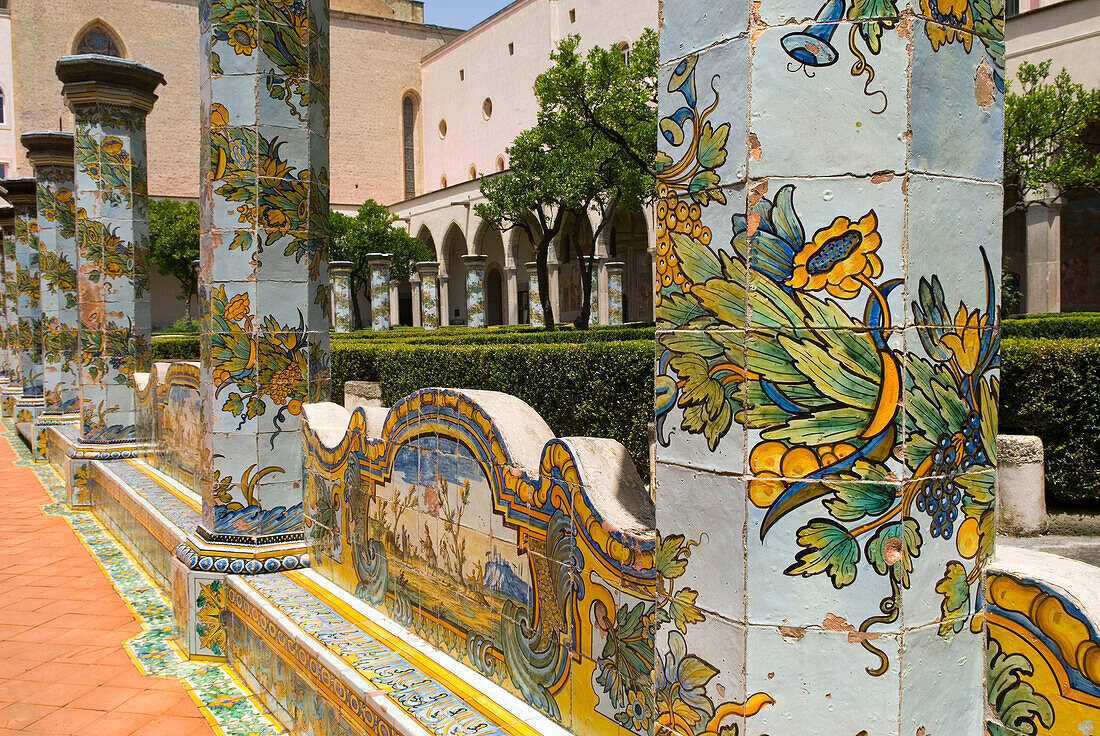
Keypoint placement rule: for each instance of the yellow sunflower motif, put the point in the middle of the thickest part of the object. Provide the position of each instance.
(242, 38)
(964, 342)
(950, 17)
(638, 710)
(274, 219)
(112, 146)
(840, 258)
(237, 308)
(219, 115)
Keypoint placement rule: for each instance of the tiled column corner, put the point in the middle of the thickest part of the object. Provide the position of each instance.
(475, 289)
(264, 281)
(534, 302)
(23, 195)
(11, 306)
(429, 294)
(827, 356)
(379, 265)
(51, 155)
(339, 273)
(415, 282)
(614, 296)
(110, 99)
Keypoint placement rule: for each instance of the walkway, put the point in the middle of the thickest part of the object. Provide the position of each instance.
(63, 666)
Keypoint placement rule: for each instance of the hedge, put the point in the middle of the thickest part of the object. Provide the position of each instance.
(1053, 326)
(1051, 388)
(597, 389)
(175, 347)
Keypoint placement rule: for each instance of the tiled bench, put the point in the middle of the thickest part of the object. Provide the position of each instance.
(325, 664)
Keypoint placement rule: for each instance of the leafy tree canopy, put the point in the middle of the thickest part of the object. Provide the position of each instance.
(372, 231)
(174, 241)
(1048, 123)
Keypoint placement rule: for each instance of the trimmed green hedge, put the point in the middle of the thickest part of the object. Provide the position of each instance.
(598, 389)
(175, 347)
(1051, 388)
(1067, 325)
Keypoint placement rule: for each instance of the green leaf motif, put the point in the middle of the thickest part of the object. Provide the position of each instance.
(827, 548)
(682, 610)
(955, 589)
(712, 146)
(853, 501)
(892, 550)
(1017, 705)
(669, 558)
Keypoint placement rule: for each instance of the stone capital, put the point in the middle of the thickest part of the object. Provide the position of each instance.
(48, 148)
(340, 268)
(427, 269)
(7, 219)
(20, 192)
(96, 79)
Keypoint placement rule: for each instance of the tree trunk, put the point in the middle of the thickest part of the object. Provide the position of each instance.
(357, 317)
(585, 317)
(544, 281)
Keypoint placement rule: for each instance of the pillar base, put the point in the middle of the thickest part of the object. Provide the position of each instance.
(40, 435)
(205, 551)
(78, 456)
(9, 394)
(25, 409)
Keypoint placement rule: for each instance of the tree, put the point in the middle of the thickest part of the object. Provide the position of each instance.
(1047, 142)
(592, 151)
(372, 231)
(174, 243)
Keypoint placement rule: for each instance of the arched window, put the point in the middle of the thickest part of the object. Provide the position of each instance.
(3, 118)
(624, 49)
(408, 133)
(500, 163)
(98, 40)
(443, 181)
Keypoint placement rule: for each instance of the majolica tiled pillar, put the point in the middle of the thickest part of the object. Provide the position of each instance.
(339, 273)
(475, 289)
(534, 301)
(379, 265)
(110, 99)
(264, 276)
(614, 295)
(51, 155)
(23, 195)
(828, 240)
(10, 310)
(429, 294)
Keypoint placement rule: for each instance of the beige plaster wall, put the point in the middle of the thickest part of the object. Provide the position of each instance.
(7, 127)
(478, 66)
(1067, 32)
(374, 63)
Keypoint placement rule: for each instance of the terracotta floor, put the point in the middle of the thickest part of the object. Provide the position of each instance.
(63, 669)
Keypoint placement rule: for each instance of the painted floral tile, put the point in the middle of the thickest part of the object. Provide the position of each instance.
(797, 83)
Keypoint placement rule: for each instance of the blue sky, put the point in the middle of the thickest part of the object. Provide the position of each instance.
(462, 14)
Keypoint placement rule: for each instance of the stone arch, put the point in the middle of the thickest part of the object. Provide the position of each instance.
(99, 37)
(489, 242)
(576, 236)
(451, 251)
(629, 243)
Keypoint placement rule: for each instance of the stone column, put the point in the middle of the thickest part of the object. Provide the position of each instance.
(339, 273)
(51, 155)
(379, 265)
(599, 289)
(10, 310)
(594, 294)
(22, 193)
(612, 298)
(475, 289)
(553, 275)
(1043, 280)
(511, 295)
(265, 281)
(827, 340)
(414, 281)
(534, 303)
(429, 294)
(110, 99)
(444, 300)
(395, 302)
